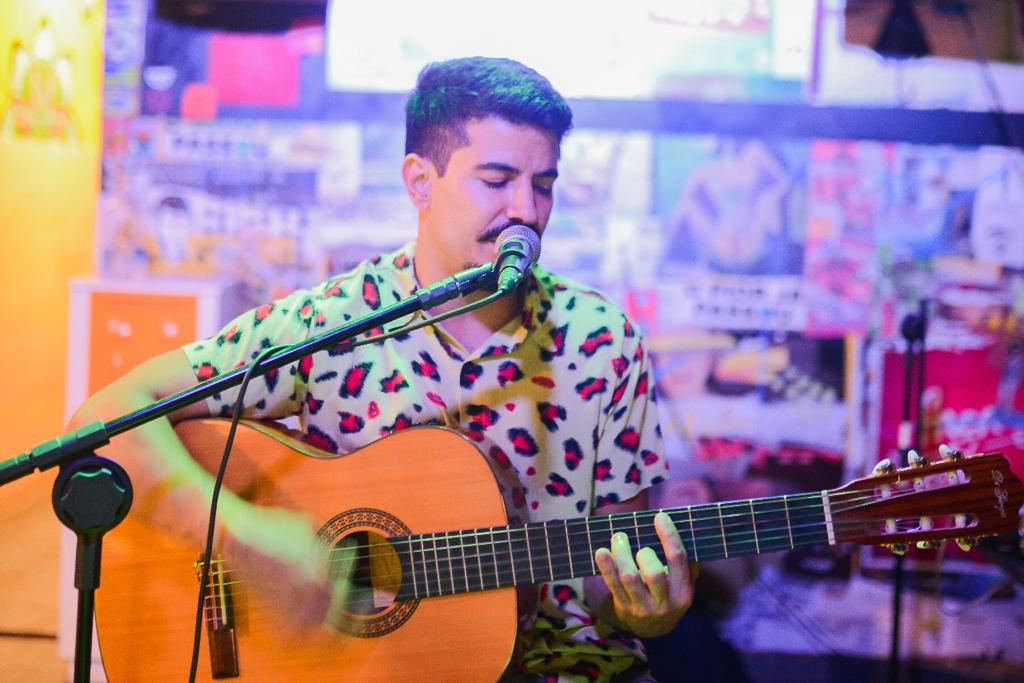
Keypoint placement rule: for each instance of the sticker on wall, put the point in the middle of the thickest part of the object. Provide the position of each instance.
(997, 232)
(40, 82)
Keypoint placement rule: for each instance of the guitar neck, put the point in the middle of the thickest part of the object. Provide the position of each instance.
(454, 562)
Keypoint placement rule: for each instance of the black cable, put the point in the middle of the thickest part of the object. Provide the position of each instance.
(429, 321)
(208, 552)
(236, 417)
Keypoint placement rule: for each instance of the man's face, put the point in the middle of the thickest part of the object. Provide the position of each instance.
(504, 176)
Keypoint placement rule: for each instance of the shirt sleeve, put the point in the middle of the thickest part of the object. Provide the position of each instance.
(630, 453)
(275, 394)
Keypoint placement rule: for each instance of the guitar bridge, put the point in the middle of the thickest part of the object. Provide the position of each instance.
(218, 615)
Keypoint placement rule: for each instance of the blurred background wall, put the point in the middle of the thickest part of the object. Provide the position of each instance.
(50, 129)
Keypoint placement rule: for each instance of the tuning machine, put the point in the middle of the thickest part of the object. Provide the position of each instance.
(916, 459)
(883, 467)
(948, 453)
(896, 548)
(966, 543)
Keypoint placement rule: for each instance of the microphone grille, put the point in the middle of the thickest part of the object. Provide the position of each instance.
(525, 234)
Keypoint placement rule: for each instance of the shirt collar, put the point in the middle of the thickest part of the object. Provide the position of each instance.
(534, 322)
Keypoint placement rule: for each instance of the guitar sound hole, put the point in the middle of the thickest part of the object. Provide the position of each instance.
(376, 574)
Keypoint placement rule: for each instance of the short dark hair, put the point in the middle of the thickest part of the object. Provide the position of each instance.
(450, 93)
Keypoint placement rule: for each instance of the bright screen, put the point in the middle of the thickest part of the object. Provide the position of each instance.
(639, 49)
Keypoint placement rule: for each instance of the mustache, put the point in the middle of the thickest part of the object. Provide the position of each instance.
(492, 234)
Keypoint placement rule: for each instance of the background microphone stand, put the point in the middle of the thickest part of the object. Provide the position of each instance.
(92, 494)
(913, 328)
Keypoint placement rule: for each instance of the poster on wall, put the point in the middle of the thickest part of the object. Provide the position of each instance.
(733, 216)
(742, 406)
(232, 201)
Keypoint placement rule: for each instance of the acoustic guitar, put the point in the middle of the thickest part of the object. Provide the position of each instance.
(437, 562)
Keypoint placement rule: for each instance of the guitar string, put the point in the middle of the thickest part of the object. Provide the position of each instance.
(711, 543)
(489, 557)
(440, 584)
(711, 524)
(646, 517)
(643, 516)
(715, 534)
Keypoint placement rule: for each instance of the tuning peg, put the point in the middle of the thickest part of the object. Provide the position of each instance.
(896, 548)
(948, 453)
(916, 459)
(966, 544)
(929, 545)
(884, 466)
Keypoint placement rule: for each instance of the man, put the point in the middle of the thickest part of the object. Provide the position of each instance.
(553, 383)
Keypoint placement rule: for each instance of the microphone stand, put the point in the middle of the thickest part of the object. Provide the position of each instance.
(92, 494)
(913, 329)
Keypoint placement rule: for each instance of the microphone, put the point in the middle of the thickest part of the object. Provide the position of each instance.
(518, 250)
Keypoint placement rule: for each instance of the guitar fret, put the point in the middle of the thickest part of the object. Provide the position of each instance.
(568, 547)
(770, 516)
(789, 525)
(426, 574)
(539, 553)
(693, 535)
(721, 525)
(623, 524)
(511, 556)
(647, 532)
(494, 558)
(437, 564)
(451, 567)
(753, 521)
(465, 568)
(457, 550)
(590, 546)
(479, 559)
(812, 520)
(529, 553)
(412, 571)
(547, 546)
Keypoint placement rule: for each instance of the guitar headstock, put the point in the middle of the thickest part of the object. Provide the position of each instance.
(958, 497)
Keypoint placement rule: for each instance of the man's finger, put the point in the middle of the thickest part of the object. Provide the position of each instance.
(629, 573)
(680, 585)
(654, 573)
(606, 565)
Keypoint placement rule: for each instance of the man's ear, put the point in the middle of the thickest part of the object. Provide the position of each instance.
(418, 173)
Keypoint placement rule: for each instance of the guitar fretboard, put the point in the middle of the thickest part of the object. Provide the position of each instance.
(454, 562)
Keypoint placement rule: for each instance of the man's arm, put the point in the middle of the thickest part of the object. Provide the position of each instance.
(168, 483)
(275, 547)
(639, 593)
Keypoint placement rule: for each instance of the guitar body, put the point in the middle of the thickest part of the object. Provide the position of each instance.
(416, 481)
